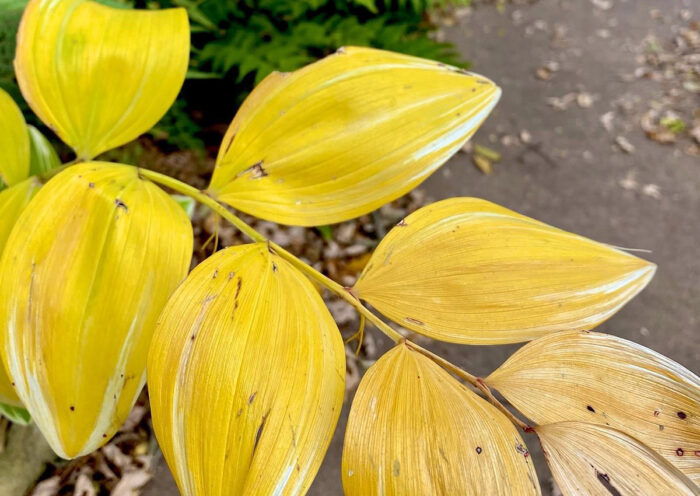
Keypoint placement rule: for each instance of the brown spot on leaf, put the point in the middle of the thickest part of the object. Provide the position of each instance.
(397, 468)
(590, 408)
(522, 450)
(91, 185)
(252, 397)
(681, 415)
(657, 413)
(604, 479)
(256, 171)
(478, 450)
(411, 320)
(680, 452)
(72, 408)
(121, 204)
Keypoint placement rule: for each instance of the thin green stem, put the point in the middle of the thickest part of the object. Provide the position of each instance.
(345, 293)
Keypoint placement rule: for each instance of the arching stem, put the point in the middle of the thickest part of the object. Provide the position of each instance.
(345, 293)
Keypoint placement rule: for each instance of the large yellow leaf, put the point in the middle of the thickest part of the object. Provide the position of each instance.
(415, 430)
(14, 142)
(13, 201)
(99, 76)
(85, 272)
(468, 271)
(593, 377)
(596, 460)
(345, 135)
(246, 376)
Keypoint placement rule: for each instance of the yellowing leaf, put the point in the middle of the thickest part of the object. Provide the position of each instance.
(413, 429)
(85, 272)
(14, 142)
(99, 76)
(345, 135)
(596, 460)
(468, 271)
(13, 201)
(598, 378)
(246, 377)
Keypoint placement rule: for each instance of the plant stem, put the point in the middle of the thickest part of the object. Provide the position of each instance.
(345, 293)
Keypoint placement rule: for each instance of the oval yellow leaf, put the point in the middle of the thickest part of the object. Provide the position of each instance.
(14, 142)
(13, 201)
(598, 378)
(246, 376)
(85, 272)
(341, 137)
(413, 429)
(596, 460)
(468, 271)
(99, 76)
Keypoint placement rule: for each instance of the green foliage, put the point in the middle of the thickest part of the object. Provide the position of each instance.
(236, 43)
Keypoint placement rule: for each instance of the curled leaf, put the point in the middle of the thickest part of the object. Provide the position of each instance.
(468, 271)
(246, 377)
(88, 267)
(43, 156)
(602, 379)
(13, 201)
(596, 460)
(14, 142)
(345, 135)
(100, 76)
(413, 429)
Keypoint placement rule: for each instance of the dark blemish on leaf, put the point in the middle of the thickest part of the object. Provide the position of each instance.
(657, 413)
(397, 468)
(590, 408)
(256, 171)
(696, 453)
(298, 468)
(121, 204)
(661, 427)
(414, 321)
(104, 436)
(228, 145)
(604, 479)
(216, 273)
(473, 90)
(478, 450)
(680, 452)
(402, 223)
(91, 185)
(192, 337)
(258, 434)
(681, 415)
(522, 450)
(442, 454)
(13, 384)
(72, 408)
(252, 397)
(238, 287)
(274, 267)
(238, 413)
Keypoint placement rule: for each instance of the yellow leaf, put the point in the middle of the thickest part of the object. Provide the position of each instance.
(468, 271)
(85, 273)
(596, 460)
(14, 142)
(413, 430)
(13, 201)
(246, 377)
(99, 76)
(598, 378)
(343, 136)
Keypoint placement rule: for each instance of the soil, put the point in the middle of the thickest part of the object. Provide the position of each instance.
(578, 79)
